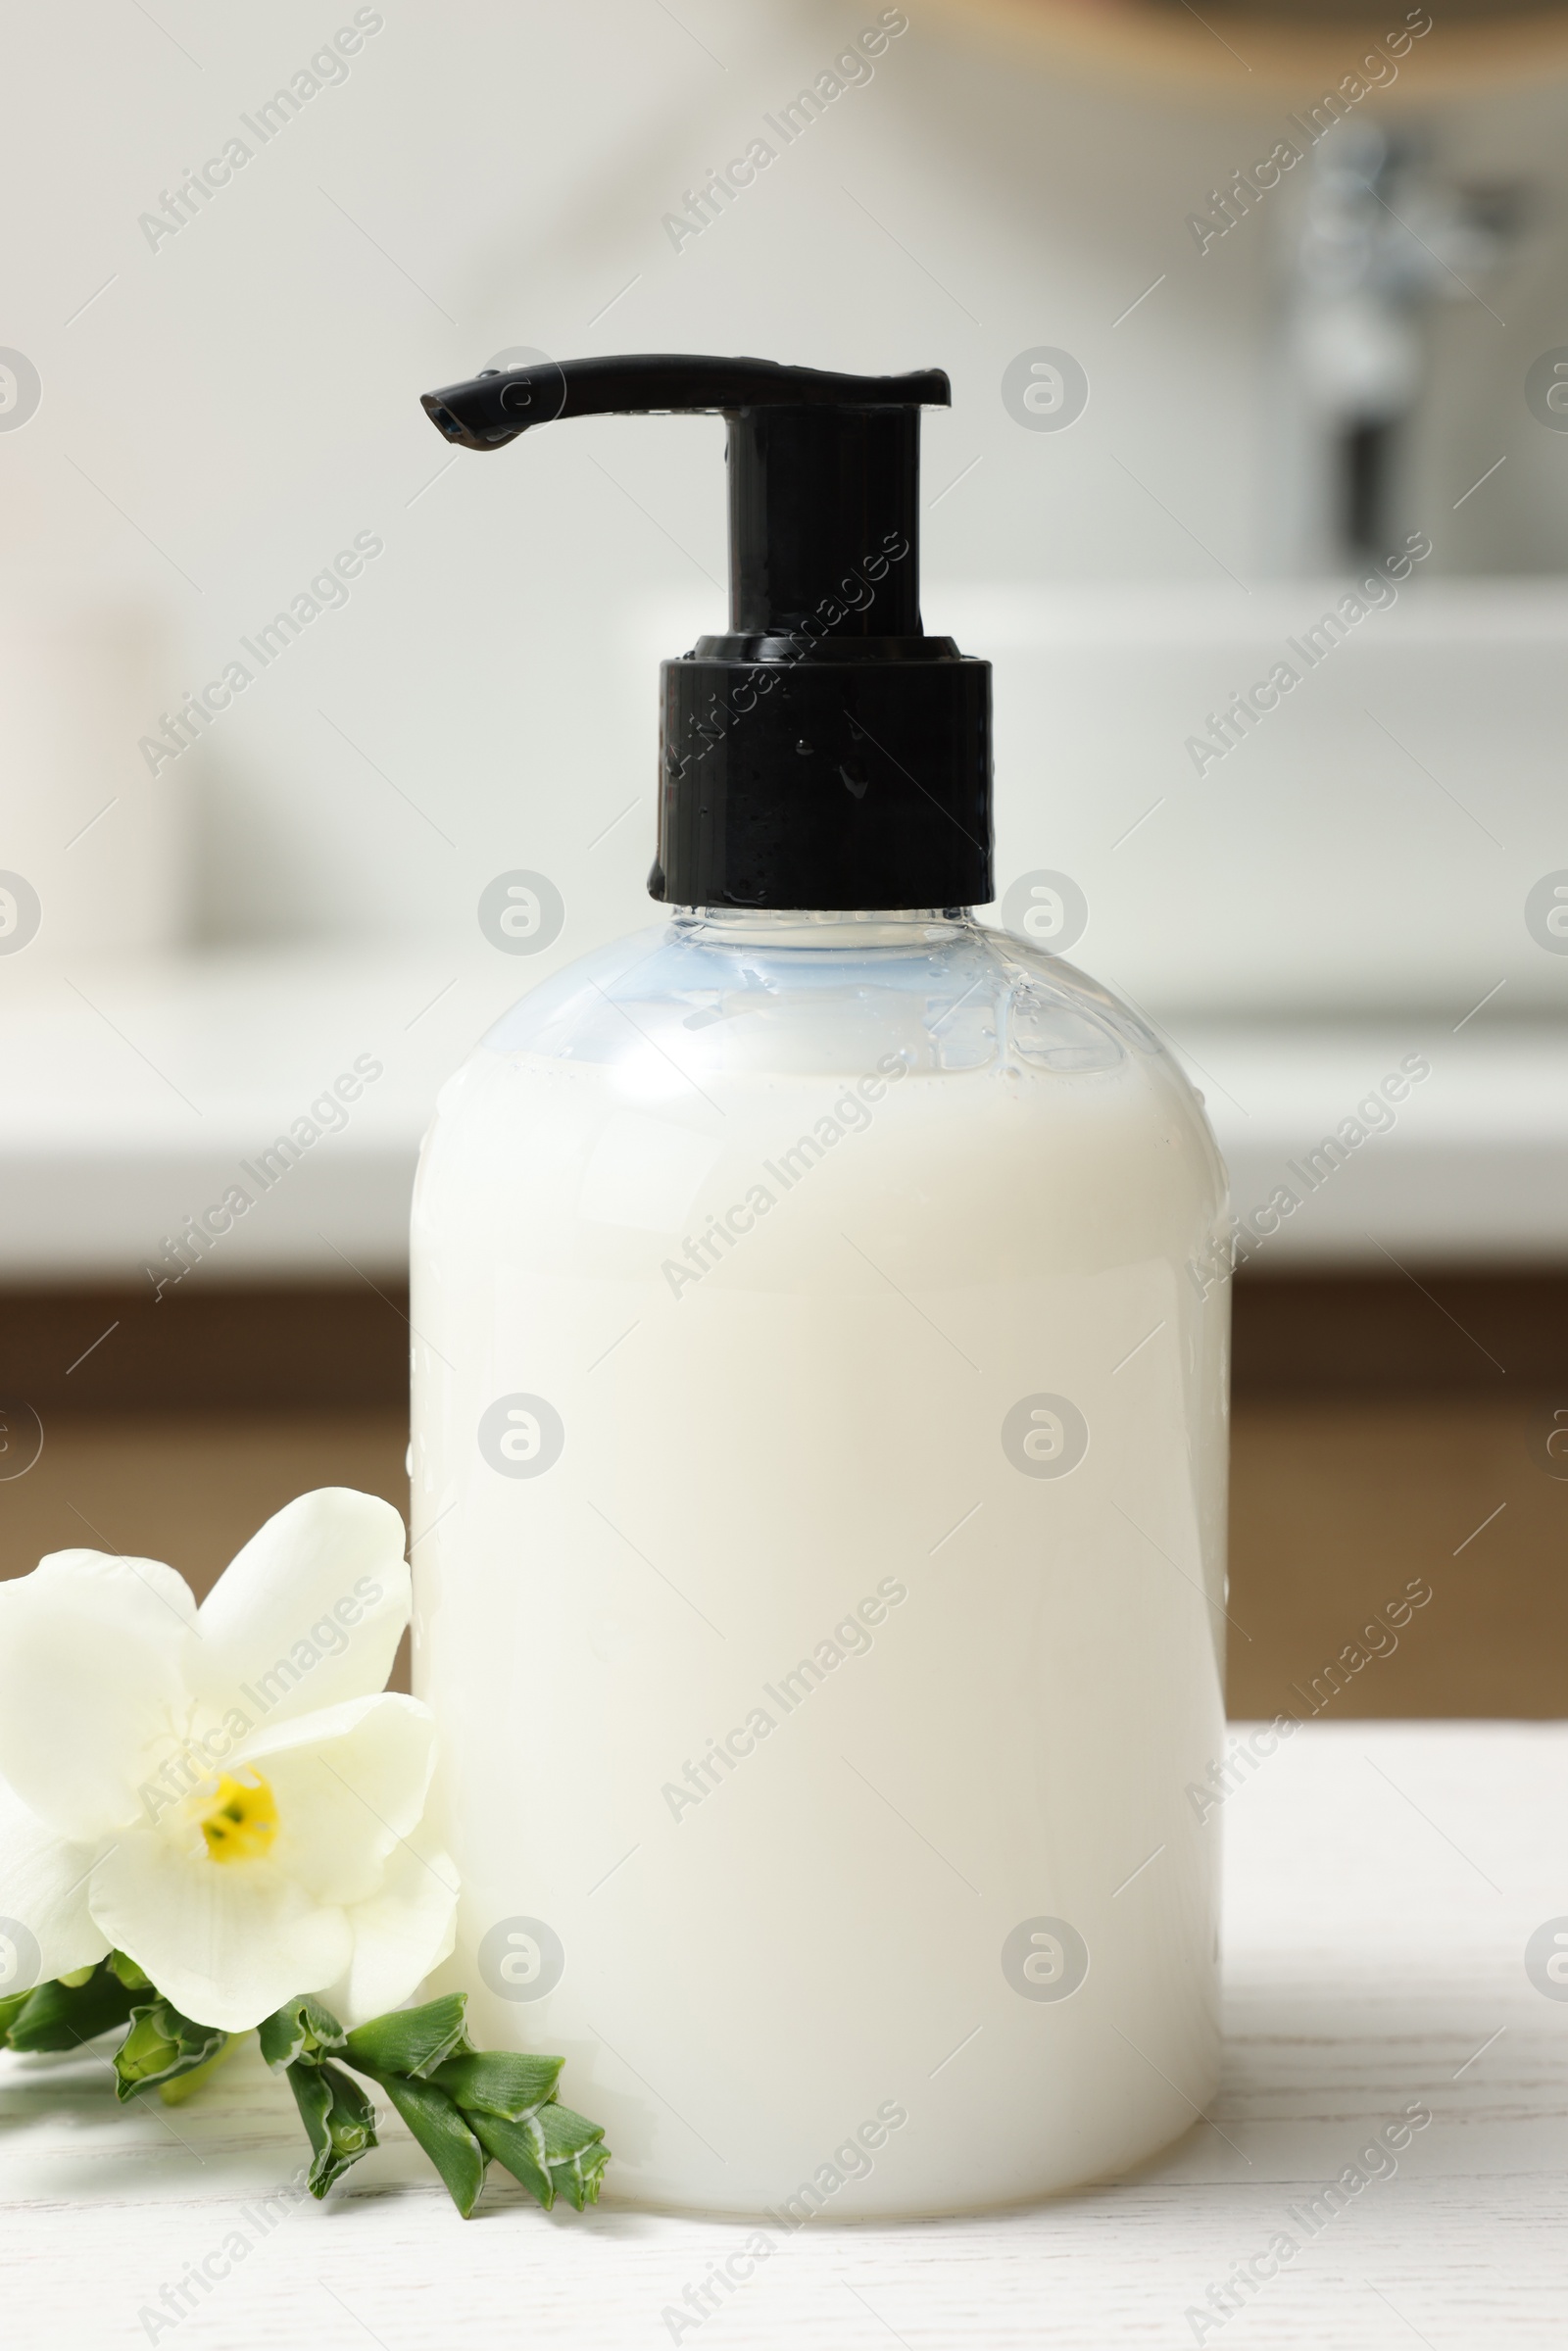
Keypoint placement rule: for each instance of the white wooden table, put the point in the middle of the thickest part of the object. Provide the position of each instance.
(1384, 1880)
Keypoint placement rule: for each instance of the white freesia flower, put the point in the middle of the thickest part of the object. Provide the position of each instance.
(226, 1793)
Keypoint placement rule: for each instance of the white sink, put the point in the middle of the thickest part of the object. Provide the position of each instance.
(1369, 842)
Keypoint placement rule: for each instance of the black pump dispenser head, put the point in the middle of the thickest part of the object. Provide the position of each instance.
(824, 753)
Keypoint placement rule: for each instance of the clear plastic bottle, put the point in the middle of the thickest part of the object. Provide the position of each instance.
(820, 1487)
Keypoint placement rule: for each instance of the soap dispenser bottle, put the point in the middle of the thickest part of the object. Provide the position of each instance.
(819, 1429)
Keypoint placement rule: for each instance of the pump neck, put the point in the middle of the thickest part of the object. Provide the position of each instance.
(824, 513)
(831, 930)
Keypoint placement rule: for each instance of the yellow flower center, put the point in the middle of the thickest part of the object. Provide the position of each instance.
(241, 1820)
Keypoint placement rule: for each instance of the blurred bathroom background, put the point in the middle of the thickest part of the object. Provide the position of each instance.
(1241, 310)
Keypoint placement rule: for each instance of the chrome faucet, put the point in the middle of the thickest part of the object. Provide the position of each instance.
(1376, 237)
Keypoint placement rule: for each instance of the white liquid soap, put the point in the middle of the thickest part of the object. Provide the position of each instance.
(820, 1441)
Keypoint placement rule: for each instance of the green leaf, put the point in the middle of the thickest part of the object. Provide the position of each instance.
(553, 2152)
(410, 2041)
(587, 2177)
(443, 2134)
(577, 2154)
(498, 2081)
(521, 2148)
(130, 1973)
(61, 2016)
(299, 2031)
(339, 2117)
(11, 2008)
(160, 2045)
(462, 2104)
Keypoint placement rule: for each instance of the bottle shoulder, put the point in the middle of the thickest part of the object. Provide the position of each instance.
(975, 1051)
(966, 998)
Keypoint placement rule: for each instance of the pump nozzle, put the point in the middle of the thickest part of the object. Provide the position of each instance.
(824, 751)
(493, 408)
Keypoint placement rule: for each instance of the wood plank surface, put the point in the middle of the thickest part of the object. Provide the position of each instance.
(1383, 1881)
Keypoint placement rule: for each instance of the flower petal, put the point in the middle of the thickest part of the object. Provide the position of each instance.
(43, 1889)
(93, 1652)
(350, 1783)
(310, 1611)
(225, 1942)
(401, 1934)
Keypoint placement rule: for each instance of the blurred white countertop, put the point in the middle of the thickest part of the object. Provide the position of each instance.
(134, 1092)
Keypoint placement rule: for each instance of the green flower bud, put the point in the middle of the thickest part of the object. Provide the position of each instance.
(339, 2120)
(147, 2050)
(161, 2045)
